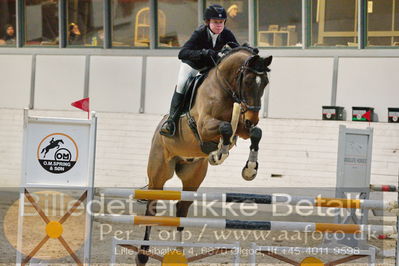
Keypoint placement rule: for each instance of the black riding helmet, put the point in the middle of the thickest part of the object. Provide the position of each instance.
(215, 12)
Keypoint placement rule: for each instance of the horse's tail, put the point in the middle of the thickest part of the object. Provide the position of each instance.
(43, 150)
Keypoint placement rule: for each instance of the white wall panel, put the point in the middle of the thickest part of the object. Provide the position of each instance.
(59, 81)
(161, 79)
(115, 83)
(15, 76)
(299, 87)
(370, 82)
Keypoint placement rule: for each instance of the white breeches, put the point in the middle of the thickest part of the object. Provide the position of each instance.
(185, 72)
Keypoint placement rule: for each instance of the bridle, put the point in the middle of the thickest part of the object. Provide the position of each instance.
(237, 95)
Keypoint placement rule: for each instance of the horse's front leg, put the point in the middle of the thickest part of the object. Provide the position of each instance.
(251, 167)
(217, 157)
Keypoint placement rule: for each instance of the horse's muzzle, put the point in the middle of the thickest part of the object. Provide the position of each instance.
(251, 119)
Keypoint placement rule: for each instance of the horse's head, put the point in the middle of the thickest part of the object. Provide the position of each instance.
(245, 73)
(251, 82)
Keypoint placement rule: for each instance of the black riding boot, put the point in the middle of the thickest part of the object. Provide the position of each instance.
(169, 126)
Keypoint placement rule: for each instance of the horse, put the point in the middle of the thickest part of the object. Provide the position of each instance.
(207, 132)
(53, 144)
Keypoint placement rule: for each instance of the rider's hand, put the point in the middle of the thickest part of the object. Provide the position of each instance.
(209, 53)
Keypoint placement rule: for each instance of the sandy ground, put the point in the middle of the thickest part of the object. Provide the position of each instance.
(56, 204)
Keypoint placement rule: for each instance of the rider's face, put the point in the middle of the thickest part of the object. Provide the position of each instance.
(216, 25)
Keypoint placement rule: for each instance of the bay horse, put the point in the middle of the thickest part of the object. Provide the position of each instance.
(205, 133)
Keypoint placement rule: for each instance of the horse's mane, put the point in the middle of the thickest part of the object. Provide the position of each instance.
(233, 51)
(259, 67)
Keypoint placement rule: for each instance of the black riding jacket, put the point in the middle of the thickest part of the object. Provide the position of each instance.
(201, 39)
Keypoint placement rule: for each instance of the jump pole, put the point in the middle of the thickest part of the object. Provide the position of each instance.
(248, 198)
(244, 225)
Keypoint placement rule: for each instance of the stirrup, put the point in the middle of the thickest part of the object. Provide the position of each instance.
(163, 131)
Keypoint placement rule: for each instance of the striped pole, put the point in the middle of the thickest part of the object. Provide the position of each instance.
(384, 188)
(253, 198)
(245, 225)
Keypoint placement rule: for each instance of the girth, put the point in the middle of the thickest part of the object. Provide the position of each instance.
(206, 147)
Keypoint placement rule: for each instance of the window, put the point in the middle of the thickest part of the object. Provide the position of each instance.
(7, 23)
(130, 23)
(41, 22)
(142, 26)
(277, 30)
(334, 23)
(237, 17)
(278, 23)
(383, 23)
(176, 21)
(85, 23)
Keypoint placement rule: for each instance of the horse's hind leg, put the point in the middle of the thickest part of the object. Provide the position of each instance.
(191, 176)
(151, 210)
(159, 170)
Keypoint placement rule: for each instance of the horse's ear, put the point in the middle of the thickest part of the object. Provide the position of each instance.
(253, 59)
(268, 61)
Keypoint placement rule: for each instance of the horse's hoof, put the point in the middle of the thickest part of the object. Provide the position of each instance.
(212, 158)
(141, 259)
(250, 171)
(216, 158)
(211, 161)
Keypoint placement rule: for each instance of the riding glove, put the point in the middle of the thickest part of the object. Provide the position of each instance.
(209, 53)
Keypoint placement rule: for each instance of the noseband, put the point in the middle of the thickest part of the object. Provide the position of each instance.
(237, 95)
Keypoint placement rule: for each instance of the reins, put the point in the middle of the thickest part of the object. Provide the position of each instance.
(229, 89)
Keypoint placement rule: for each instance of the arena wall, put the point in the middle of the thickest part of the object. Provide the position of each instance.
(299, 86)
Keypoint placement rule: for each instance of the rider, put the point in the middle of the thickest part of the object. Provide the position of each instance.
(199, 54)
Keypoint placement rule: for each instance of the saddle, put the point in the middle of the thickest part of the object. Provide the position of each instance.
(190, 89)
